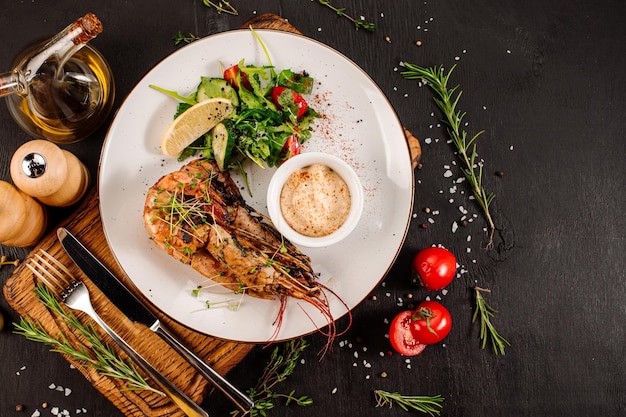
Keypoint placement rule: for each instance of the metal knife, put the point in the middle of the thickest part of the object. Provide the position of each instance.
(136, 311)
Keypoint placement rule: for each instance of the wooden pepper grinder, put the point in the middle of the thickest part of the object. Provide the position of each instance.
(52, 175)
(23, 220)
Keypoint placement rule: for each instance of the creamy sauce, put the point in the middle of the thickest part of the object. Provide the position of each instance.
(315, 200)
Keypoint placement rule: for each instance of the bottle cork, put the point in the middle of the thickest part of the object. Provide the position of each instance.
(23, 220)
(52, 175)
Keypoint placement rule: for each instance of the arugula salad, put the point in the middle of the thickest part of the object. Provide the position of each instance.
(270, 121)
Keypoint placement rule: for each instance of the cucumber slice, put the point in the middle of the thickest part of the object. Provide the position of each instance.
(222, 143)
(216, 88)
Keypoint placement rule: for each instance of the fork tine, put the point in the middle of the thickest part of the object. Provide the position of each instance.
(51, 272)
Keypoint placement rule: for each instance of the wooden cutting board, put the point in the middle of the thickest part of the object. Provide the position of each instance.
(86, 224)
(221, 354)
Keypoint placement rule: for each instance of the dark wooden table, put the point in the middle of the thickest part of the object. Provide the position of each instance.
(546, 82)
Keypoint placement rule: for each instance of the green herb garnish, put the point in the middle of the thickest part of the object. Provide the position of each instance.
(487, 329)
(182, 38)
(221, 6)
(447, 99)
(282, 364)
(100, 356)
(341, 11)
(425, 404)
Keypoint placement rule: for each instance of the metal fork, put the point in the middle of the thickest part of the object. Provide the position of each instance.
(75, 295)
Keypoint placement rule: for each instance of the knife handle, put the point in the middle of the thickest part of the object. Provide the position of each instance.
(238, 398)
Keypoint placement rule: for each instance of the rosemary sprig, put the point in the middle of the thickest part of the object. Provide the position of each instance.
(100, 356)
(425, 404)
(341, 11)
(281, 364)
(182, 38)
(487, 330)
(221, 6)
(447, 99)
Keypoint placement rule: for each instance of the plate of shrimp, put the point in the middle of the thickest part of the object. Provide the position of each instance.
(241, 280)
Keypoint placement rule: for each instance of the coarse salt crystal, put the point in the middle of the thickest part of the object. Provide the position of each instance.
(334, 390)
(444, 291)
(428, 141)
(36, 413)
(455, 226)
(447, 174)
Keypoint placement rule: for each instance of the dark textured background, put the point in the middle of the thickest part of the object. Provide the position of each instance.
(545, 80)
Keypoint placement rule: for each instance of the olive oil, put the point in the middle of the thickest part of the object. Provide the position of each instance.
(62, 89)
(67, 110)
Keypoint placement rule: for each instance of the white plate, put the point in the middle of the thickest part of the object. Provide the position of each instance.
(359, 126)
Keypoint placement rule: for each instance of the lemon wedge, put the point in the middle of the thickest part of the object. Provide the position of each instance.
(193, 123)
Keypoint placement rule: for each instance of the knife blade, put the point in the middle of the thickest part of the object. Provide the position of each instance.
(136, 311)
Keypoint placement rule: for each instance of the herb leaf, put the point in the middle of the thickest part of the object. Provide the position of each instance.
(100, 356)
(182, 38)
(447, 99)
(341, 12)
(221, 6)
(425, 404)
(487, 329)
(282, 363)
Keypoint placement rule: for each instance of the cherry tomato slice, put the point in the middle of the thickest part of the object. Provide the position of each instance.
(434, 268)
(231, 74)
(296, 99)
(401, 336)
(291, 148)
(430, 322)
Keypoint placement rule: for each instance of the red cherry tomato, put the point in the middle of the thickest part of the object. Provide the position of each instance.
(434, 268)
(283, 96)
(401, 336)
(231, 75)
(430, 322)
(291, 148)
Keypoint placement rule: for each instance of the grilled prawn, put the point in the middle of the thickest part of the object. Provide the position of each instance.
(199, 217)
